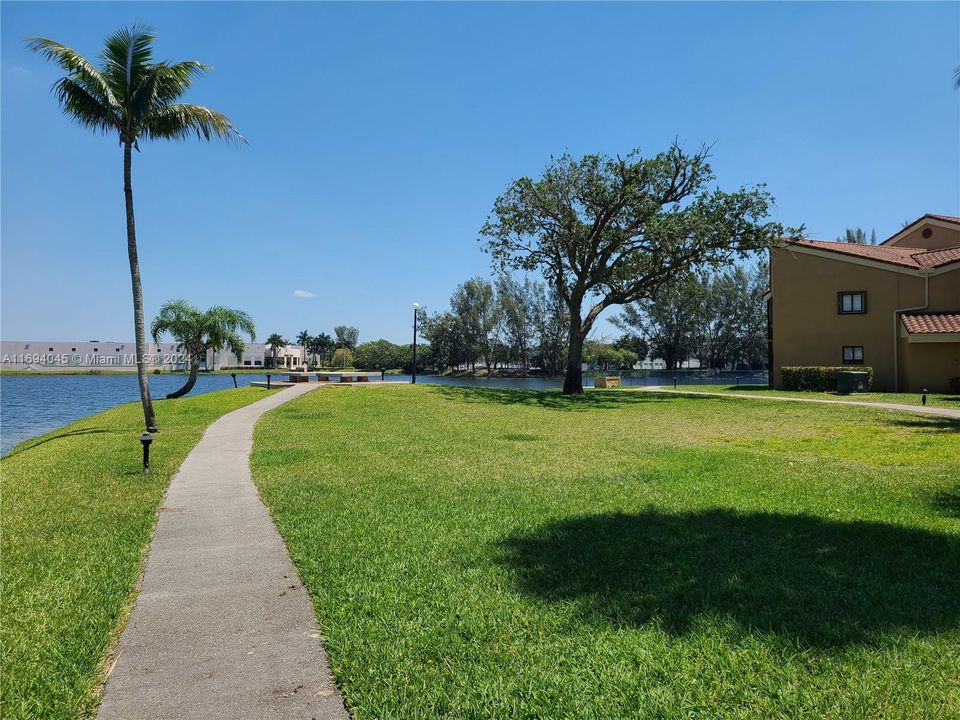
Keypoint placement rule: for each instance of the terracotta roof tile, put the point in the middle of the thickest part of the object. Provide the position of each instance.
(947, 218)
(893, 254)
(922, 324)
(936, 258)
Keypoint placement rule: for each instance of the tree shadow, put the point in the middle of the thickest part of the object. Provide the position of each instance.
(556, 400)
(925, 423)
(947, 501)
(30, 444)
(805, 579)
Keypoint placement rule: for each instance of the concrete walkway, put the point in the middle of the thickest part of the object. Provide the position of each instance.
(222, 627)
(921, 409)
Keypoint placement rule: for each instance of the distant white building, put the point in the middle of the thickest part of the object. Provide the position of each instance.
(649, 363)
(40, 355)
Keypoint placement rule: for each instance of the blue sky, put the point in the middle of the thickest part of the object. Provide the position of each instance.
(380, 135)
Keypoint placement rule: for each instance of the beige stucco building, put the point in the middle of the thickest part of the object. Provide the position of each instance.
(894, 307)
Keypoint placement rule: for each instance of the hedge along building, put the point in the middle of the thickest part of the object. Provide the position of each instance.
(894, 307)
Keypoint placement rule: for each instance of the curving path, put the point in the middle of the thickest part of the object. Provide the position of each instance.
(222, 627)
(920, 409)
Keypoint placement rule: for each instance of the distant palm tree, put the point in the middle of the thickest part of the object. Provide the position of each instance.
(197, 331)
(322, 344)
(134, 97)
(276, 341)
(303, 338)
(956, 78)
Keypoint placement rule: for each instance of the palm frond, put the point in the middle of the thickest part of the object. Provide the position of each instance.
(176, 78)
(956, 77)
(84, 73)
(181, 120)
(88, 111)
(178, 318)
(126, 57)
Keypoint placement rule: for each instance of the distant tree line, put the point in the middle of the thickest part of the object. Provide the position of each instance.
(718, 317)
(508, 323)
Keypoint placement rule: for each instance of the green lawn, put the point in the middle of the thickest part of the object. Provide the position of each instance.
(78, 511)
(933, 399)
(480, 553)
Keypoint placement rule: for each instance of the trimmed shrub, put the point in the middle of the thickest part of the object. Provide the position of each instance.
(819, 377)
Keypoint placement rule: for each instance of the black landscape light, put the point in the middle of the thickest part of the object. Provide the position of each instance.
(923, 398)
(674, 382)
(268, 381)
(145, 440)
(234, 376)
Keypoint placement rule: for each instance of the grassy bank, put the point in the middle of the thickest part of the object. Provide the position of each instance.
(933, 399)
(77, 513)
(506, 554)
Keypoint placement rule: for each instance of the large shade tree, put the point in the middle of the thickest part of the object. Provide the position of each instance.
(197, 331)
(131, 96)
(608, 231)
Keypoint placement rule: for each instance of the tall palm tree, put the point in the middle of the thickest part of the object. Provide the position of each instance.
(276, 341)
(197, 331)
(303, 338)
(136, 98)
(323, 345)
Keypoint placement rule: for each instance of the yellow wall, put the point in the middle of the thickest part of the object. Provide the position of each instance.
(940, 237)
(807, 329)
(928, 365)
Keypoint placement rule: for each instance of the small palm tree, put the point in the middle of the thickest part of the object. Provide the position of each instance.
(276, 341)
(303, 338)
(135, 98)
(197, 331)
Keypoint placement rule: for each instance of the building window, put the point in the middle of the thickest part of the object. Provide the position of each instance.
(246, 362)
(257, 362)
(852, 303)
(853, 354)
(73, 349)
(96, 349)
(49, 349)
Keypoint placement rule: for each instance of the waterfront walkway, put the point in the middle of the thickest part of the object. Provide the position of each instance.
(222, 627)
(921, 409)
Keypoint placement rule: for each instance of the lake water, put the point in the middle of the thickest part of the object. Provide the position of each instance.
(31, 405)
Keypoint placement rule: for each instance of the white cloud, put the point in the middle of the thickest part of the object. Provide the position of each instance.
(303, 293)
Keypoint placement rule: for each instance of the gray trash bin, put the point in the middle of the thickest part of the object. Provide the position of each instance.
(852, 381)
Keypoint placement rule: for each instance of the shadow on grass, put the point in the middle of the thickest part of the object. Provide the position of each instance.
(947, 501)
(928, 423)
(556, 400)
(808, 580)
(30, 444)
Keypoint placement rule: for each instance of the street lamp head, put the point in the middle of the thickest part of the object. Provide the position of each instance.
(416, 306)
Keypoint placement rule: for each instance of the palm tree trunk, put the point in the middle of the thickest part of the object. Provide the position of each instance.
(191, 381)
(149, 418)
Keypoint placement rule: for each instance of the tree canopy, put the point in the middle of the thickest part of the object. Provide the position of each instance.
(197, 331)
(608, 231)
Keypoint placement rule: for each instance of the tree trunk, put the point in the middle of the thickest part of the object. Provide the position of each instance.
(149, 418)
(573, 379)
(191, 381)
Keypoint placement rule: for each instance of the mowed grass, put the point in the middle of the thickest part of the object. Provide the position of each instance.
(78, 511)
(481, 553)
(940, 400)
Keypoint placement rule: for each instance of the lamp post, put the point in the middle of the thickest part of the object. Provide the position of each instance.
(145, 440)
(413, 377)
